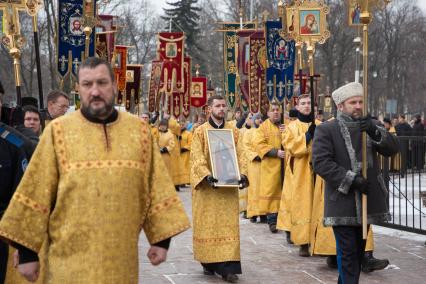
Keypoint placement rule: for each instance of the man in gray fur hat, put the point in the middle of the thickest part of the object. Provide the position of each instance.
(336, 157)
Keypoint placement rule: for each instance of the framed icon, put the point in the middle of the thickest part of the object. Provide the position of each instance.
(354, 15)
(308, 22)
(223, 157)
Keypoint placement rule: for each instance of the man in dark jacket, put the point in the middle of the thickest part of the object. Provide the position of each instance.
(15, 150)
(337, 156)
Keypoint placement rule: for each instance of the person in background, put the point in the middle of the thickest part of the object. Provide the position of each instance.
(58, 104)
(32, 119)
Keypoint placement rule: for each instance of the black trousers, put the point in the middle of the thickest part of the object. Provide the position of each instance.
(349, 251)
(4, 253)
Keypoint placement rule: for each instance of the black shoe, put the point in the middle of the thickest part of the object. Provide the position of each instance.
(207, 272)
(288, 237)
(332, 261)
(231, 278)
(253, 219)
(263, 219)
(273, 228)
(370, 263)
(304, 251)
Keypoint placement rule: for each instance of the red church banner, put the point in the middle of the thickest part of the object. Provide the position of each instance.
(154, 85)
(186, 99)
(105, 28)
(171, 53)
(257, 88)
(133, 84)
(243, 67)
(198, 91)
(120, 67)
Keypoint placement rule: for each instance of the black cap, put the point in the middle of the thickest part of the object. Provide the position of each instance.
(29, 101)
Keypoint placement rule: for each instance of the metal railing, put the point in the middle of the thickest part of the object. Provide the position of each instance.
(405, 177)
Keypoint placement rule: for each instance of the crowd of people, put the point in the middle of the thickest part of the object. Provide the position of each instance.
(78, 198)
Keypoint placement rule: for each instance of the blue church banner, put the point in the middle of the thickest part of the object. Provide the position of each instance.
(281, 56)
(71, 37)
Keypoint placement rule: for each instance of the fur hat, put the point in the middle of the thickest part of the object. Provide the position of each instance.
(347, 91)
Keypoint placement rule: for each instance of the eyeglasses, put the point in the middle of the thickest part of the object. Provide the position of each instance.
(62, 106)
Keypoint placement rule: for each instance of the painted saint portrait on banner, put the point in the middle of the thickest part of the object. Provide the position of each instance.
(171, 50)
(309, 22)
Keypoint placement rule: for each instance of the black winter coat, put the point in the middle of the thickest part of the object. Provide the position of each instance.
(336, 157)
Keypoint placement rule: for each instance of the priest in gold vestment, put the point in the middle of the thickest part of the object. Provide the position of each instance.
(297, 142)
(267, 142)
(94, 182)
(216, 238)
(174, 128)
(185, 148)
(253, 169)
(167, 144)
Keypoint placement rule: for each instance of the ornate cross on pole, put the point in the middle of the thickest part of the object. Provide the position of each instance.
(366, 15)
(12, 38)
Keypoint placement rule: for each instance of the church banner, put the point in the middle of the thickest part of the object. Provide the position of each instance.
(243, 59)
(257, 63)
(154, 85)
(71, 40)
(186, 95)
(281, 54)
(171, 52)
(198, 91)
(133, 84)
(102, 46)
(230, 42)
(120, 67)
(106, 27)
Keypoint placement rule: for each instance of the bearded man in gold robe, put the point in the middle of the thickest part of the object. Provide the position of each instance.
(216, 238)
(95, 180)
(267, 142)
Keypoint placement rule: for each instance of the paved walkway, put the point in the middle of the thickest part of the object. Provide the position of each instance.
(267, 258)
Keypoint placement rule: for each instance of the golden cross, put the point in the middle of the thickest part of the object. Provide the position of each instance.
(11, 10)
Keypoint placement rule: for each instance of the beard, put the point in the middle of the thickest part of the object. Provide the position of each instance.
(102, 112)
(218, 116)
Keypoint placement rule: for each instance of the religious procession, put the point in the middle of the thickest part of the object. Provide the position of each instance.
(201, 141)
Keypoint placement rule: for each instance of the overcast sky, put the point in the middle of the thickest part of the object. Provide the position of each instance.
(159, 4)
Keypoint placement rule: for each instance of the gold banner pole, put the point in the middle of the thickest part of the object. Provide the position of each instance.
(365, 19)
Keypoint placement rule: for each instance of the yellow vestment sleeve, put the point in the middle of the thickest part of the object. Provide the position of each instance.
(198, 158)
(166, 215)
(260, 139)
(294, 140)
(26, 219)
(251, 154)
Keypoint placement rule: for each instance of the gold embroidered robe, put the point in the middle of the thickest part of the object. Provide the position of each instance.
(253, 170)
(216, 236)
(283, 219)
(89, 190)
(266, 138)
(185, 143)
(299, 209)
(243, 169)
(322, 238)
(166, 139)
(174, 128)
